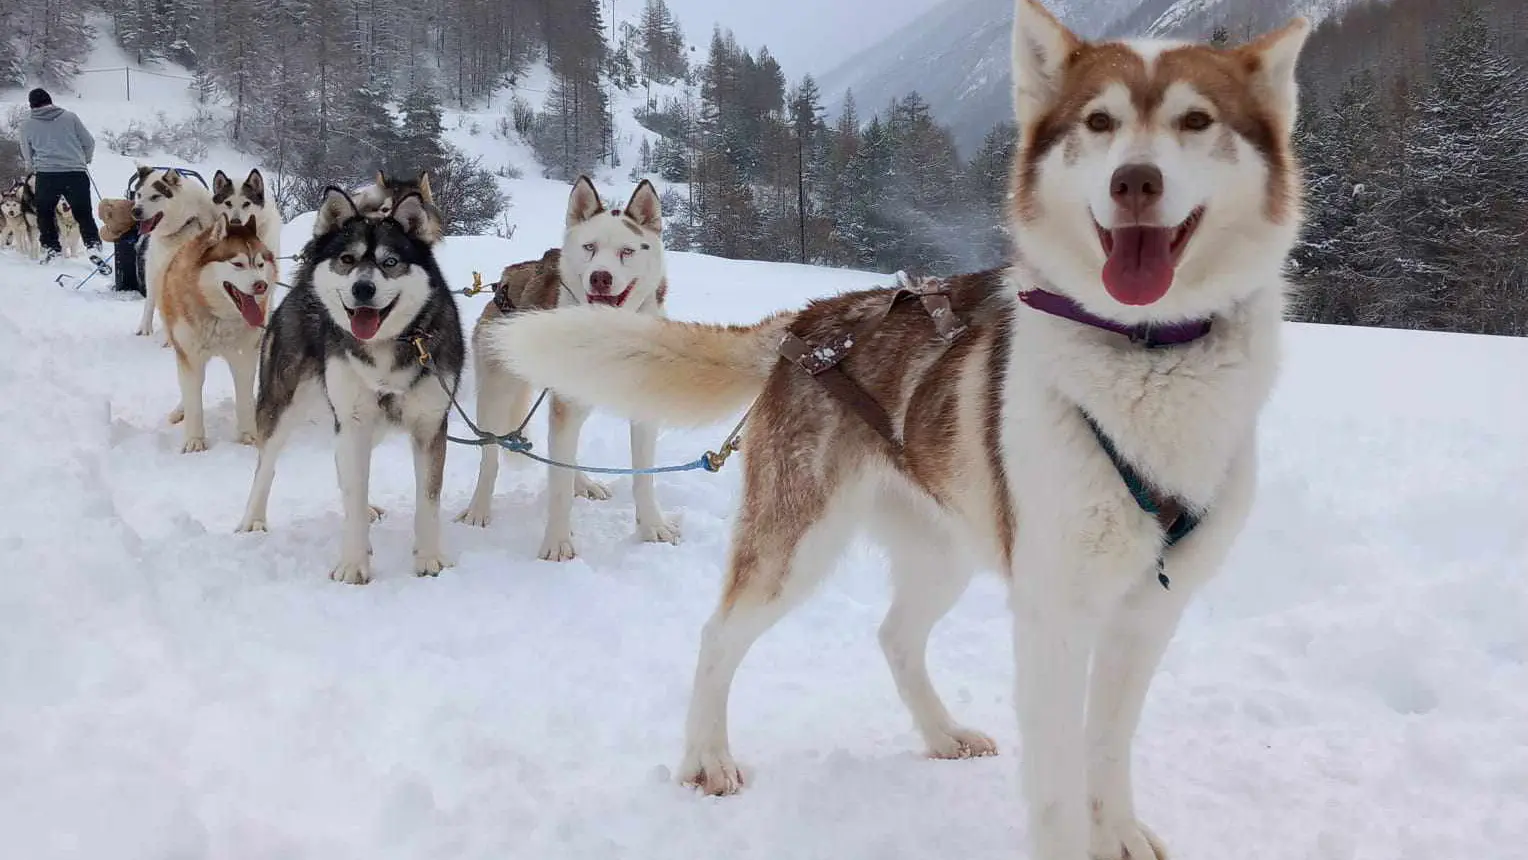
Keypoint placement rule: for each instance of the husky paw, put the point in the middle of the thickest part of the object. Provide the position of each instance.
(714, 773)
(375, 513)
(177, 415)
(588, 488)
(658, 530)
(194, 445)
(352, 572)
(251, 526)
(474, 517)
(958, 743)
(144, 330)
(429, 564)
(1125, 840)
(558, 548)
(248, 439)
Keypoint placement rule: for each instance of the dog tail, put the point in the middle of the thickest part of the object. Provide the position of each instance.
(641, 367)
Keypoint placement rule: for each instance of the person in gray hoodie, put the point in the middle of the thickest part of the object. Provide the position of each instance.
(56, 146)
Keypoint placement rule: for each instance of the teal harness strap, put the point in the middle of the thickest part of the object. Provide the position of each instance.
(1178, 522)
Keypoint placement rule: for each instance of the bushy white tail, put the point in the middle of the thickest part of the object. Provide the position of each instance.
(641, 367)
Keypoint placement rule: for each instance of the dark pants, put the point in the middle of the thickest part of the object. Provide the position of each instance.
(74, 187)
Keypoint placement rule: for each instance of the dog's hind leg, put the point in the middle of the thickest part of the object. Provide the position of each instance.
(274, 424)
(786, 541)
(928, 577)
(502, 401)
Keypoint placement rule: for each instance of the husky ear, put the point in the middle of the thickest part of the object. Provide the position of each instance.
(381, 179)
(644, 207)
(424, 186)
(1041, 46)
(254, 187)
(419, 219)
(1272, 59)
(336, 209)
(219, 228)
(584, 203)
(221, 183)
(172, 178)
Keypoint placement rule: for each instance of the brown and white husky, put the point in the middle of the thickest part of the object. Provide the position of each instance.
(1090, 435)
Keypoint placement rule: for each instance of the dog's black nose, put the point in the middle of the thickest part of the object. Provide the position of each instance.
(137, 213)
(601, 281)
(364, 291)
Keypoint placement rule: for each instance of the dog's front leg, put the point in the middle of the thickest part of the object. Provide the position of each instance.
(352, 460)
(566, 421)
(150, 301)
(429, 474)
(651, 524)
(243, 364)
(193, 374)
(1054, 631)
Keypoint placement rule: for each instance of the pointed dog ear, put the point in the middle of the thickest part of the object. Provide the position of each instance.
(219, 228)
(419, 219)
(221, 184)
(584, 203)
(644, 207)
(424, 186)
(335, 209)
(254, 187)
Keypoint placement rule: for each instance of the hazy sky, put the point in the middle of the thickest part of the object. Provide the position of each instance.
(804, 35)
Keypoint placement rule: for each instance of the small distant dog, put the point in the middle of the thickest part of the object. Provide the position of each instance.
(170, 211)
(249, 200)
(69, 238)
(214, 299)
(612, 258)
(367, 296)
(18, 223)
(378, 199)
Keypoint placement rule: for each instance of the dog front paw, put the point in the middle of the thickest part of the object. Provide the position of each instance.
(588, 488)
(557, 548)
(959, 743)
(474, 517)
(1124, 840)
(352, 572)
(657, 530)
(194, 445)
(251, 525)
(429, 564)
(177, 415)
(712, 773)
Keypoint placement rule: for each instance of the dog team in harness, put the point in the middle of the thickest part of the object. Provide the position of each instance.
(1081, 421)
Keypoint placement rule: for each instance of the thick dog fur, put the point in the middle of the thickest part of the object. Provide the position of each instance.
(609, 257)
(998, 467)
(214, 298)
(69, 239)
(366, 289)
(18, 223)
(248, 200)
(171, 211)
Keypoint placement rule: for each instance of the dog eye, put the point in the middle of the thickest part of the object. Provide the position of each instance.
(1099, 122)
(237, 264)
(1196, 120)
(589, 246)
(347, 259)
(389, 262)
(626, 252)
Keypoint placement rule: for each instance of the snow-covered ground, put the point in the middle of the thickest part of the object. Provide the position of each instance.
(1352, 688)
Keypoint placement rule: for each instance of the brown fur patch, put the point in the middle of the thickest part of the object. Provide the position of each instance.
(809, 443)
(1224, 77)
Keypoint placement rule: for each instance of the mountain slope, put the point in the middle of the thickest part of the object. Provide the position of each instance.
(958, 55)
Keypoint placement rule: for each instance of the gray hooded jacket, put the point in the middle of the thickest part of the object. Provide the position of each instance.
(54, 140)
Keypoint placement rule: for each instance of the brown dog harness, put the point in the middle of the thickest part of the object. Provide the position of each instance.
(822, 361)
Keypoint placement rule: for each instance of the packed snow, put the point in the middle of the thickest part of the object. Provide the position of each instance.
(1353, 687)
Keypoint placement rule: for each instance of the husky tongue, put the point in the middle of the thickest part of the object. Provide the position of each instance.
(249, 308)
(365, 322)
(1140, 266)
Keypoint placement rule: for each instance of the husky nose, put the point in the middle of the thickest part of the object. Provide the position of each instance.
(601, 281)
(1136, 187)
(260, 287)
(364, 291)
(137, 213)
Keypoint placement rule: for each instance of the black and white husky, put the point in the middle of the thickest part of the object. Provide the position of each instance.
(367, 296)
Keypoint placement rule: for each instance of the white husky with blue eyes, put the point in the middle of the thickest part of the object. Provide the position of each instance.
(611, 257)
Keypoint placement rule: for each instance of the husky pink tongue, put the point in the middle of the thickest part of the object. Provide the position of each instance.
(1140, 266)
(365, 322)
(249, 308)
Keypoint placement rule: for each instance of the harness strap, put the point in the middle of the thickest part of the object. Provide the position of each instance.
(823, 361)
(1176, 520)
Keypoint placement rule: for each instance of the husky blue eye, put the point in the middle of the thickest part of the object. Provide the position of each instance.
(389, 262)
